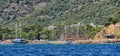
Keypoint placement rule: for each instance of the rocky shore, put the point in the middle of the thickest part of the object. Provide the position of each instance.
(96, 41)
(92, 41)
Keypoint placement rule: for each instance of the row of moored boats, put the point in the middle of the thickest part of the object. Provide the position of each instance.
(24, 41)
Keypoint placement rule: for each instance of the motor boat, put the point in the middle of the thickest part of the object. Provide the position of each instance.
(19, 41)
(7, 42)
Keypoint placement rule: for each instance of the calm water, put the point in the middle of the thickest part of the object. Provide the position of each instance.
(60, 50)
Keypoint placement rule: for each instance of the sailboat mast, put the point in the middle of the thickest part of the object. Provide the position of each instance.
(65, 31)
(16, 30)
(20, 29)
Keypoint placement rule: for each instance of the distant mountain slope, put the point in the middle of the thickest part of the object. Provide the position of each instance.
(57, 12)
(10, 10)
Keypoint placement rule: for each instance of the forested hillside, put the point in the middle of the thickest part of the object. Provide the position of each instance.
(66, 12)
(42, 13)
(10, 10)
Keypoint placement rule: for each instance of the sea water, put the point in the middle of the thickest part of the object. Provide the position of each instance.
(60, 50)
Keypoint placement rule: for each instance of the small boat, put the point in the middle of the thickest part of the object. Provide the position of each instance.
(19, 41)
(7, 42)
(58, 42)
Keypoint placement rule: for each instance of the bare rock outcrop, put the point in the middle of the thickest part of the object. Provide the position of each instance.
(111, 29)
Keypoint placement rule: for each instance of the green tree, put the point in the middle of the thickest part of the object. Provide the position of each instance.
(47, 33)
(92, 31)
(31, 35)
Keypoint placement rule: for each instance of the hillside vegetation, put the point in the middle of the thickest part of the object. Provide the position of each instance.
(35, 15)
(47, 12)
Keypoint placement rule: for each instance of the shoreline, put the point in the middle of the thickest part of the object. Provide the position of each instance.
(97, 41)
(92, 41)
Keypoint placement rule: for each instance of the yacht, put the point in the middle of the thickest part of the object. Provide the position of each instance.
(19, 41)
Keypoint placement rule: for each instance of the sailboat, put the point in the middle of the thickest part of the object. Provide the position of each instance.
(60, 41)
(19, 40)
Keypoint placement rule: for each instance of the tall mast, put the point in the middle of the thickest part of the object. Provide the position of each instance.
(65, 30)
(16, 30)
(78, 29)
(20, 29)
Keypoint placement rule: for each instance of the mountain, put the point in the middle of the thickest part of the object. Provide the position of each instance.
(11, 10)
(36, 15)
(57, 12)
